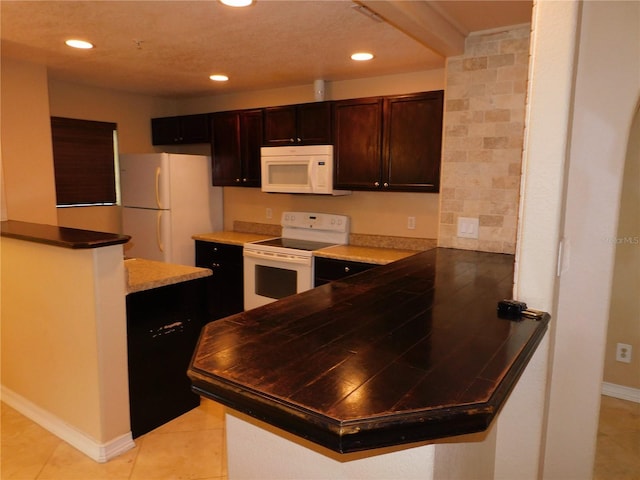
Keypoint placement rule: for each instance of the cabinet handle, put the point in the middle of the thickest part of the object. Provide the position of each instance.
(237, 180)
(244, 179)
(346, 269)
(299, 139)
(376, 184)
(386, 184)
(291, 140)
(215, 265)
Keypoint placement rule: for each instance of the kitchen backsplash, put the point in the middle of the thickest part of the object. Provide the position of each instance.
(484, 126)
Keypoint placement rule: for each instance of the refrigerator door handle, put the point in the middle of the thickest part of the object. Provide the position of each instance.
(159, 231)
(158, 188)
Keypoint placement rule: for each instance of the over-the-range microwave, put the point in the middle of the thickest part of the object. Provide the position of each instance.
(298, 169)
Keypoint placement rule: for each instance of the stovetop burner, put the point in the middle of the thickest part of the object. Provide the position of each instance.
(307, 245)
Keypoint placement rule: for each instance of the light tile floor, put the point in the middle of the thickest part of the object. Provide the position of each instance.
(618, 447)
(192, 447)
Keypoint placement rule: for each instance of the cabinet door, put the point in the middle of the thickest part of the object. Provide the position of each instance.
(225, 290)
(314, 123)
(195, 128)
(165, 131)
(413, 141)
(180, 130)
(357, 143)
(280, 126)
(303, 124)
(251, 141)
(225, 148)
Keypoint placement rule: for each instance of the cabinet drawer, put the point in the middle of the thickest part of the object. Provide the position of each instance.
(328, 269)
(211, 254)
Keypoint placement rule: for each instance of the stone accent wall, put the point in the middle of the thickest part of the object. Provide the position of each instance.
(485, 98)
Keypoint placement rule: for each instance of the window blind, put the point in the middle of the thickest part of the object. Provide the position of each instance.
(83, 158)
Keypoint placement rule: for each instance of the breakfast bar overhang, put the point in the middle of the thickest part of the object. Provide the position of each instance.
(407, 352)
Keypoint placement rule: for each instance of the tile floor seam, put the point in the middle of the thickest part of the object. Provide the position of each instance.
(49, 458)
(137, 448)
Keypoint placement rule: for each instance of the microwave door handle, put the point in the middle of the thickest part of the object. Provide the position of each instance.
(312, 175)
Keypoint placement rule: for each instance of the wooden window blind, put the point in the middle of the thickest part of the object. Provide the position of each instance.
(83, 158)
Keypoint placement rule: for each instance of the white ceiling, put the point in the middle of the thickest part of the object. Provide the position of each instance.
(170, 48)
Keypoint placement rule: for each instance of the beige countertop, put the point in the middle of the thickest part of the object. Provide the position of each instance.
(145, 274)
(368, 248)
(231, 238)
(355, 253)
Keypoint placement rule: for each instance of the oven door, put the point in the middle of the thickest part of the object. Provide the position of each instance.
(270, 276)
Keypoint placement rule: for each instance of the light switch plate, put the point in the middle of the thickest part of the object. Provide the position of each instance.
(468, 227)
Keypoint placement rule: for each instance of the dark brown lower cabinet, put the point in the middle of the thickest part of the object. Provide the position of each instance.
(225, 288)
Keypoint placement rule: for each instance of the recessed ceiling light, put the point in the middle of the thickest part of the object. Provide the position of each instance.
(219, 78)
(79, 44)
(236, 3)
(362, 56)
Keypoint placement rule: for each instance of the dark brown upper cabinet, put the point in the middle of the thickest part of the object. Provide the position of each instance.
(180, 130)
(389, 143)
(412, 142)
(236, 137)
(357, 143)
(303, 124)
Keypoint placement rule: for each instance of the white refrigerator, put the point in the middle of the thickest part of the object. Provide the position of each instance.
(167, 198)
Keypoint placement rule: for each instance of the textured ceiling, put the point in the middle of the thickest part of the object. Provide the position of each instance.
(170, 48)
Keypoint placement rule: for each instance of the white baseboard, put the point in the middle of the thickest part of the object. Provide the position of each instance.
(100, 452)
(620, 391)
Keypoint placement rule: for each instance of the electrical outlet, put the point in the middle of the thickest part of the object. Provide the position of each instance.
(269, 213)
(623, 352)
(468, 227)
(411, 223)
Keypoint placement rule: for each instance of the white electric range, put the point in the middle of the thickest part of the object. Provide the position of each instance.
(283, 266)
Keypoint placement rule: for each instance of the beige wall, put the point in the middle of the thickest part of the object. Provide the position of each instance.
(64, 336)
(339, 90)
(27, 158)
(381, 213)
(484, 125)
(132, 114)
(624, 314)
(370, 212)
(576, 144)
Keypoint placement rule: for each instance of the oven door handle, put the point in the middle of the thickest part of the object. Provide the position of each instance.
(284, 258)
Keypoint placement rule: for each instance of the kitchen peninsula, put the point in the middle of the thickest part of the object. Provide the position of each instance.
(405, 354)
(67, 296)
(64, 340)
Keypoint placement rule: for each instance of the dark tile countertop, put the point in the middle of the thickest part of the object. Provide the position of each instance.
(406, 352)
(60, 236)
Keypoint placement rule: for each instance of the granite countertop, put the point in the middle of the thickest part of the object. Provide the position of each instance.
(231, 238)
(374, 249)
(145, 274)
(355, 253)
(406, 352)
(65, 237)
